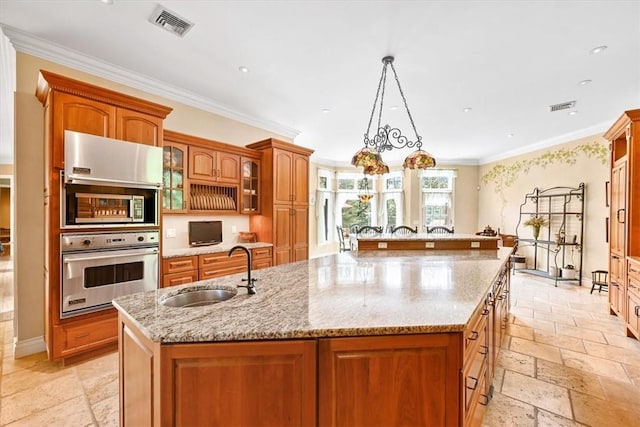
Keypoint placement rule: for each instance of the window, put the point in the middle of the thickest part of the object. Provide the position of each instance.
(437, 186)
(349, 209)
(392, 200)
(325, 199)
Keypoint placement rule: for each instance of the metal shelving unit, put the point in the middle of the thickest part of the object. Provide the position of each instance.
(559, 244)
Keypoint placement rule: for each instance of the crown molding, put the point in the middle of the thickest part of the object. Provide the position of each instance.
(35, 46)
(594, 130)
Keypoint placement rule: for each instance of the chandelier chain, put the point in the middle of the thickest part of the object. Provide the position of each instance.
(375, 102)
(406, 106)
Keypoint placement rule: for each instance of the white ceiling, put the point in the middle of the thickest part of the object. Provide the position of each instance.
(508, 60)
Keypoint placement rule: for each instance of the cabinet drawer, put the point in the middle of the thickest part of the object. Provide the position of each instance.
(179, 264)
(179, 278)
(633, 314)
(221, 258)
(474, 334)
(86, 336)
(258, 253)
(473, 380)
(633, 275)
(257, 264)
(222, 270)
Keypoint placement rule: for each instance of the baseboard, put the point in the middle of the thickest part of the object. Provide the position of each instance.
(28, 347)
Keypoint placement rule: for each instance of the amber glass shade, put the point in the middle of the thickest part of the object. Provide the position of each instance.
(378, 168)
(366, 157)
(419, 159)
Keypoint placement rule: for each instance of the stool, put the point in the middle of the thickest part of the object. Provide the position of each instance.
(599, 279)
(519, 259)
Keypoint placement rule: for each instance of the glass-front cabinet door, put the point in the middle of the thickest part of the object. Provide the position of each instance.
(250, 186)
(173, 175)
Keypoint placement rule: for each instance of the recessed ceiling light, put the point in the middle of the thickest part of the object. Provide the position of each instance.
(107, 1)
(573, 113)
(510, 135)
(584, 82)
(467, 109)
(243, 69)
(326, 111)
(598, 49)
(393, 107)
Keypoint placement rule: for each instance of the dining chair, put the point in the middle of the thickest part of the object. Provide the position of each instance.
(342, 234)
(370, 229)
(404, 229)
(440, 229)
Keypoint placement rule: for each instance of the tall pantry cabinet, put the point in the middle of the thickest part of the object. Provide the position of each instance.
(77, 106)
(624, 220)
(284, 206)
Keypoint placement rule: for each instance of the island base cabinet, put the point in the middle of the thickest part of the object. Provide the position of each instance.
(389, 381)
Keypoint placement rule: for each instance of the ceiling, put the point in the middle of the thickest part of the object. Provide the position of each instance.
(506, 60)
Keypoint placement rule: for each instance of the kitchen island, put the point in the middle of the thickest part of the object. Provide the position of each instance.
(423, 241)
(385, 338)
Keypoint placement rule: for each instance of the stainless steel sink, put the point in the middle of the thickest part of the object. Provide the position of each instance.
(198, 297)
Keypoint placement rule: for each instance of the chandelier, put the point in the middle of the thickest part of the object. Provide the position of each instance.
(387, 138)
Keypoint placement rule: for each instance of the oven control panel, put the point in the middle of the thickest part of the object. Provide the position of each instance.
(88, 241)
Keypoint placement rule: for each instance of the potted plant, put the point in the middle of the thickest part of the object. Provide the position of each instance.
(536, 222)
(569, 272)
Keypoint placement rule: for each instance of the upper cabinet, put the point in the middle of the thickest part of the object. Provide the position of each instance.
(210, 165)
(291, 177)
(174, 163)
(85, 108)
(207, 176)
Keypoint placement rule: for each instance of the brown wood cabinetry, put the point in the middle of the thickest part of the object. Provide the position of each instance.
(624, 223)
(77, 106)
(187, 269)
(633, 298)
(387, 381)
(247, 383)
(284, 211)
(212, 177)
(250, 188)
(174, 192)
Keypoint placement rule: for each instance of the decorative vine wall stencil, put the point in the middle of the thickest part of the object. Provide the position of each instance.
(503, 176)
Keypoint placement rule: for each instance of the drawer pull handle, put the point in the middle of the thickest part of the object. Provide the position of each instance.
(475, 383)
(636, 310)
(618, 216)
(485, 348)
(486, 400)
(485, 312)
(179, 263)
(474, 336)
(86, 334)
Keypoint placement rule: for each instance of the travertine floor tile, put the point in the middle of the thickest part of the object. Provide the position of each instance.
(522, 312)
(633, 372)
(542, 351)
(622, 393)
(556, 340)
(107, 412)
(520, 331)
(623, 342)
(612, 327)
(517, 362)
(98, 388)
(570, 378)
(578, 332)
(597, 365)
(24, 379)
(592, 411)
(544, 325)
(43, 396)
(73, 412)
(622, 355)
(505, 411)
(555, 317)
(539, 393)
(548, 419)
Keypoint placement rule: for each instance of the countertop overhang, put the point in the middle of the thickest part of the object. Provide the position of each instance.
(210, 249)
(348, 294)
(424, 237)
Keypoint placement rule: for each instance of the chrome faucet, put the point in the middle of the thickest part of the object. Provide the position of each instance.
(251, 283)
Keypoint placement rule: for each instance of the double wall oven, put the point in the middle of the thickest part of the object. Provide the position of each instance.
(109, 218)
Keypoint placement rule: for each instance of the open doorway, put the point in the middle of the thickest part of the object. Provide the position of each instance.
(5, 216)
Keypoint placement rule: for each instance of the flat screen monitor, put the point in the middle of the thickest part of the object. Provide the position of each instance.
(202, 233)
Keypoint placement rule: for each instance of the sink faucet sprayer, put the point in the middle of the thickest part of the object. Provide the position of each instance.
(251, 283)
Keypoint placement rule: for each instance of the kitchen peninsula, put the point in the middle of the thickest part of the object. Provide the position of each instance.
(370, 337)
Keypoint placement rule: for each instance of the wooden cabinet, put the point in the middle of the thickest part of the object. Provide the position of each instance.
(633, 298)
(216, 166)
(624, 223)
(258, 383)
(77, 106)
(250, 188)
(387, 381)
(174, 191)
(187, 269)
(179, 270)
(284, 201)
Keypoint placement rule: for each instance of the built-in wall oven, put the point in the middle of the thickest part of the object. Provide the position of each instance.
(98, 267)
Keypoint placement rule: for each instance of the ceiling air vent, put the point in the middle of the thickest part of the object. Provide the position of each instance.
(168, 20)
(562, 106)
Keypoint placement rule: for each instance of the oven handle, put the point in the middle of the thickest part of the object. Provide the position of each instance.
(106, 255)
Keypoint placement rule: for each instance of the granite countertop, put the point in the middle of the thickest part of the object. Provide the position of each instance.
(346, 294)
(423, 236)
(211, 249)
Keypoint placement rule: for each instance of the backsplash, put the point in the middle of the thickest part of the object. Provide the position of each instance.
(180, 223)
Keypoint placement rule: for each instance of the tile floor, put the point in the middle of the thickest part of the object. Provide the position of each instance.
(564, 362)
